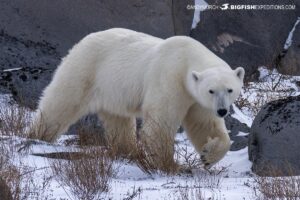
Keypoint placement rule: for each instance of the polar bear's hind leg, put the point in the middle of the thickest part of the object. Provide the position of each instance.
(120, 132)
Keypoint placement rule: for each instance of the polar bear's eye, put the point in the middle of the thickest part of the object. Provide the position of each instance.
(230, 90)
(211, 91)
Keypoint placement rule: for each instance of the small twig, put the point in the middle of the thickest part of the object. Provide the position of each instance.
(276, 84)
(34, 170)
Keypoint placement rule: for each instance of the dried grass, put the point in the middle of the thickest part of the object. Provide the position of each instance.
(156, 150)
(272, 87)
(87, 177)
(276, 186)
(189, 159)
(203, 180)
(187, 193)
(19, 181)
(14, 120)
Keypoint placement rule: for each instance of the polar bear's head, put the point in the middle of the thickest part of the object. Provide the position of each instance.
(216, 88)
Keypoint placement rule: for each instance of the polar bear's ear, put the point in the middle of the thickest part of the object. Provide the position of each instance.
(240, 72)
(196, 76)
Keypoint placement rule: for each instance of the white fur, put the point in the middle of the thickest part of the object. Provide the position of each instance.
(122, 74)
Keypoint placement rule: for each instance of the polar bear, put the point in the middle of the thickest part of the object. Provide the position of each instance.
(121, 74)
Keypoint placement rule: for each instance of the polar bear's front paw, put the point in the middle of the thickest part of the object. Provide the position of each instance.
(205, 159)
(213, 151)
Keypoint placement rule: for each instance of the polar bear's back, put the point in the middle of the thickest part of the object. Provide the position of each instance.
(119, 45)
(123, 62)
(115, 62)
(120, 39)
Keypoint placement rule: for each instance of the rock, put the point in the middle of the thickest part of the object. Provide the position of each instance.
(275, 137)
(37, 34)
(26, 67)
(247, 38)
(182, 17)
(239, 142)
(25, 84)
(63, 23)
(290, 63)
(235, 126)
(90, 131)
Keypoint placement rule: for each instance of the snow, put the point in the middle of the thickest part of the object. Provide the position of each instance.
(200, 5)
(237, 170)
(12, 69)
(5, 100)
(271, 86)
(242, 134)
(239, 115)
(289, 40)
(230, 183)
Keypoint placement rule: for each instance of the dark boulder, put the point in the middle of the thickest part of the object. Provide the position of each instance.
(63, 23)
(37, 34)
(182, 17)
(25, 84)
(247, 38)
(235, 127)
(274, 140)
(26, 67)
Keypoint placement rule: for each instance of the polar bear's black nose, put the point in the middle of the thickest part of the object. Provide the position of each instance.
(222, 112)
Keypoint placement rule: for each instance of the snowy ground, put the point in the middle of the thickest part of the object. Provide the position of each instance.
(230, 183)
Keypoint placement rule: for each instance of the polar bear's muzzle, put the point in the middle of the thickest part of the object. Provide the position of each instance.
(222, 104)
